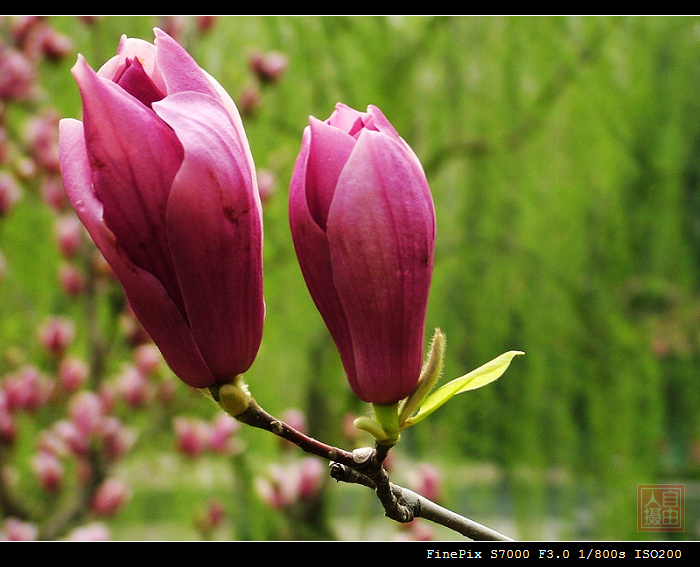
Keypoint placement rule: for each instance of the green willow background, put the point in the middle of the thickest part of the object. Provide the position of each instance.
(563, 157)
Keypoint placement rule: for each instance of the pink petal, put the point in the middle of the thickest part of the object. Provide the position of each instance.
(180, 71)
(139, 84)
(313, 254)
(381, 253)
(329, 150)
(133, 48)
(215, 233)
(184, 74)
(151, 304)
(135, 157)
(346, 119)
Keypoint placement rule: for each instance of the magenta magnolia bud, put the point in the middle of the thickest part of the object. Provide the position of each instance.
(161, 175)
(363, 225)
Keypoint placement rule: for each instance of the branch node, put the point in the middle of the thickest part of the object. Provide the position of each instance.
(362, 455)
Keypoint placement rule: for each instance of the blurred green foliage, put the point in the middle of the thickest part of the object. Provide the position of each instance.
(563, 156)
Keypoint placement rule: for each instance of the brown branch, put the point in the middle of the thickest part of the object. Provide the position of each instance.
(255, 416)
(364, 466)
(404, 505)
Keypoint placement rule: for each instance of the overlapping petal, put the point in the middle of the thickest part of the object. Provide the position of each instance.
(214, 230)
(155, 309)
(134, 157)
(381, 257)
(313, 253)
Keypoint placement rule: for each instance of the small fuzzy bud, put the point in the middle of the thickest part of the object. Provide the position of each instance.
(234, 397)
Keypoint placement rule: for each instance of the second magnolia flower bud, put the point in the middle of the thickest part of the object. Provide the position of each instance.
(363, 225)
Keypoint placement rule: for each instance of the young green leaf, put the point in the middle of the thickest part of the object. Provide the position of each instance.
(475, 379)
(430, 374)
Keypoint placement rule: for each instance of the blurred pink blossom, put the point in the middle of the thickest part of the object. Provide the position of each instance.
(72, 373)
(110, 497)
(222, 433)
(72, 280)
(56, 334)
(293, 482)
(115, 438)
(27, 389)
(134, 387)
(69, 234)
(10, 192)
(95, 531)
(426, 480)
(18, 530)
(8, 427)
(41, 135)
(49, 471)
(191, 436)
(86, 411)
(268, 66)
(17, 75)
(70, 435)
(147, 358)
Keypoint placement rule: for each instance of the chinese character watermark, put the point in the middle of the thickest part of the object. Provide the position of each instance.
(660, 507)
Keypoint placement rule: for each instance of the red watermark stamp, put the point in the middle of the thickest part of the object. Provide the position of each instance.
(660, 507)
